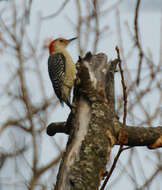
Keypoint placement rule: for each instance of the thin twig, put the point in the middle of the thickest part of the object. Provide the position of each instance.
(123, 85)
(147, 182)
(124, 121)
(97, 32)
(79, 26)
(42, 170)
(57, 12)
(112, 168)
(136, 28)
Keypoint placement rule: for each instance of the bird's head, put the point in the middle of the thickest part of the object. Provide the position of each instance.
(59, 43)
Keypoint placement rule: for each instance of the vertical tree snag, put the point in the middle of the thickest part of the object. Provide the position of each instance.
(93, 127)
(91, 137)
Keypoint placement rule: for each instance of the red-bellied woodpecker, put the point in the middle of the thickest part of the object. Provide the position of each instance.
(61, 68)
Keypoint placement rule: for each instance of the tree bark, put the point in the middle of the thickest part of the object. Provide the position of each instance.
(93, 127)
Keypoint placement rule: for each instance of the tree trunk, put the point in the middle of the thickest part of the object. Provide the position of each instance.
(93, 127)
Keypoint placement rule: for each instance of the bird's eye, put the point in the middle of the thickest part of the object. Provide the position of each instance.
(61, 40)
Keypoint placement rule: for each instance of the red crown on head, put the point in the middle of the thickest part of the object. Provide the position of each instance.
(51, 46)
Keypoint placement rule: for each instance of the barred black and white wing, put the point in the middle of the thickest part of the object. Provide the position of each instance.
(56, 69)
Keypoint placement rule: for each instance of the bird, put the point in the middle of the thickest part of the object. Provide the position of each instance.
(61, 69)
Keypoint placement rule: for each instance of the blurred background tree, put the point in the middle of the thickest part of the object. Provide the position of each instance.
(27, 102)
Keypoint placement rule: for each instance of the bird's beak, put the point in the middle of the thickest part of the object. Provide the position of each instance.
(70, 40)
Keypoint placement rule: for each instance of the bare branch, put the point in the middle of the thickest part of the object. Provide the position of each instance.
(57, 12)
(136, 28)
